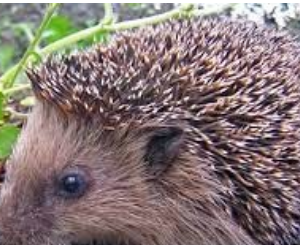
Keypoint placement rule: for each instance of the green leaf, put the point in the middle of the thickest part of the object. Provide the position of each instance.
(133, 5)
(6, 56)
(58, 27)
(8, 138)
(1, 106)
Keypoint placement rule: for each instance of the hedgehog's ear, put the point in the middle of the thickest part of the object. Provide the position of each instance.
(162, 148)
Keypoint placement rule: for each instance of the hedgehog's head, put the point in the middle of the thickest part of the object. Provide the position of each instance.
(72, 181)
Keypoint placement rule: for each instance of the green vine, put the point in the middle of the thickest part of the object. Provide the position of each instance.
(109, 14)
(9, 78)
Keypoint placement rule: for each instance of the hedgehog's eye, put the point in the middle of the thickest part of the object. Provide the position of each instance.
(72, 184)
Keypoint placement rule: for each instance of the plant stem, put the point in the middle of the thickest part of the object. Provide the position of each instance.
(73, 38)
(175, 14)
(26, 30)
(109, 14)
(16, 89)
(215, 10)
(16, 115)
(10, 79)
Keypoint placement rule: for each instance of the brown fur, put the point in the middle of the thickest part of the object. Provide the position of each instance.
(220, 102)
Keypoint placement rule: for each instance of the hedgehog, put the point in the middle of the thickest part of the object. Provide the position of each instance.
(185, 132)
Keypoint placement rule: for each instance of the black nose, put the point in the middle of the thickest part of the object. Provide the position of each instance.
(2, 173)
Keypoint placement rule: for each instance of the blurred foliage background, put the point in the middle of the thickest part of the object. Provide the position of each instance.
(18, 23)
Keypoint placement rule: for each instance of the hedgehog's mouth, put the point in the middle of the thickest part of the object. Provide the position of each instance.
(107, 240)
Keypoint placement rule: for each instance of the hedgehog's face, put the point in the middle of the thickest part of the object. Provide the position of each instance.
(71, 184)
(67, 183)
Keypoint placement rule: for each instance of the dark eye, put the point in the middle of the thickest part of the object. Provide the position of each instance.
(72, 184)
